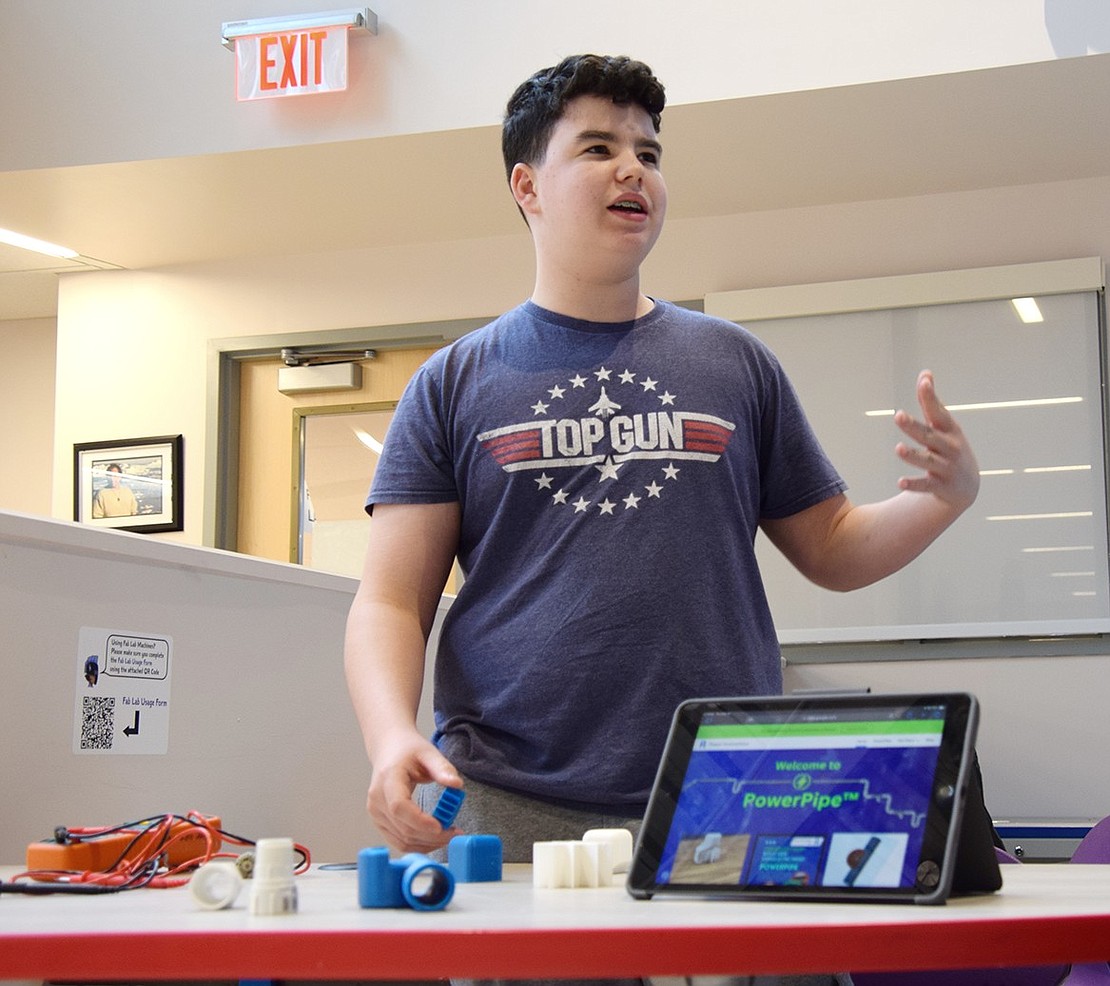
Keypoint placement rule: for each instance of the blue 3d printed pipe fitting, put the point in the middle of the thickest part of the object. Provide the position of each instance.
(414, 880)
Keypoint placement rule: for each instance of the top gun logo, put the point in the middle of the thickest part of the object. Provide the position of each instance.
(608, 436)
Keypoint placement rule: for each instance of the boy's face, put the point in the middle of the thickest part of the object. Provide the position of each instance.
(597, 200)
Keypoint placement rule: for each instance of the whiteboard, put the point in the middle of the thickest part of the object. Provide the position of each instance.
(1029, 558)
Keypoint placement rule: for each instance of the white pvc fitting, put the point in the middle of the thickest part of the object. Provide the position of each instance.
(272, 888)
(216, 885)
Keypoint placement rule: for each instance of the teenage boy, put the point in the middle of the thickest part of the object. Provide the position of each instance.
(600, 462)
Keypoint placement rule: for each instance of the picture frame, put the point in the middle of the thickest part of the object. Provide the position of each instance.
(132, 484)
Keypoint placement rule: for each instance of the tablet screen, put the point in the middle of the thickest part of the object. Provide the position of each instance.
(852, 797)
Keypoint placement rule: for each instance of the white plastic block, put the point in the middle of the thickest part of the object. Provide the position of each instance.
(595, 861)
(616, 853)
(566, 864)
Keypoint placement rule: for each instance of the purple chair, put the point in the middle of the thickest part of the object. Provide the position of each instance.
(1087, 974)
(1094, 848)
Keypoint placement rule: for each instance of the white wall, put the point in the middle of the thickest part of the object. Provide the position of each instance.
(90, 81)
(258, 728)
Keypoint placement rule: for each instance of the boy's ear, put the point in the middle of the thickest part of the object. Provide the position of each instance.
(522, 183)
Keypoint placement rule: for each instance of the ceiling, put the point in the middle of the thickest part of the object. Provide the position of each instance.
(996, 127)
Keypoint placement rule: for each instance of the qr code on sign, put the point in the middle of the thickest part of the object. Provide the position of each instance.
(98, 719)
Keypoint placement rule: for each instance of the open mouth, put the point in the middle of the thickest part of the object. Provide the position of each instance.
(628, 206)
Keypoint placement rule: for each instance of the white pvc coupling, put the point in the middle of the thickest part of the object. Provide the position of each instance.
(216, 884)
(272, 888)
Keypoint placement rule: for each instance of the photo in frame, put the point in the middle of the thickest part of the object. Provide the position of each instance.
(132, 484)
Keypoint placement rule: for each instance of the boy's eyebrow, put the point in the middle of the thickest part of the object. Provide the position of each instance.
(607, 136)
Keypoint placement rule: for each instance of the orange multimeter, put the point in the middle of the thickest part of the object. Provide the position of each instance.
(85, 850)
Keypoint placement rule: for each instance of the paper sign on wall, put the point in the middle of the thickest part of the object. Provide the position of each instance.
(291, 63)
(122, 700)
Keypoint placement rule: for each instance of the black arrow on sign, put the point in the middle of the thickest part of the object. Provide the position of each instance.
(133, 730)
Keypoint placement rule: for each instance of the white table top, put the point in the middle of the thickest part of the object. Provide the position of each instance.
(1044, 914)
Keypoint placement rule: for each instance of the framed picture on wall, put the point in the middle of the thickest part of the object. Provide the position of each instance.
(132, 484)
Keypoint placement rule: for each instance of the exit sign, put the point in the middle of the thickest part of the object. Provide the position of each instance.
(291, 62)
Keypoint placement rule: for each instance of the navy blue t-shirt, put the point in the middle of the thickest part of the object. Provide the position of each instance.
(611, 481)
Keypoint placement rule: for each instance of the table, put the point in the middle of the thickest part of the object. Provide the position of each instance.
(1045, 913)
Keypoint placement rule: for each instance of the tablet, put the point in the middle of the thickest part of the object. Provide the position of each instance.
(819, 797)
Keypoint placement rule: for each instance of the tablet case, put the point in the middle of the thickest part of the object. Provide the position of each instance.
(972, 865)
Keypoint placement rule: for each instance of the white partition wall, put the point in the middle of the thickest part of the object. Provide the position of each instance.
(244, 714)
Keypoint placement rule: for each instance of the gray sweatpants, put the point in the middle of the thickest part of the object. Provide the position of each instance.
(520, 821)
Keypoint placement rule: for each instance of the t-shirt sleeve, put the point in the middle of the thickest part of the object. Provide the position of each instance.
(416, 464)
(796, 472)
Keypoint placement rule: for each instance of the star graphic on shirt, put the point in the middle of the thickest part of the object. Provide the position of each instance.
(608, 469)
(560, 497)
(628, 377)
(578, 380)
(606, 506)
(631, 502)
(667, 397)
(654, 489)
(539, 408)
(556, 393)
(603, 373)
(544, 481)
(581, 505)
(671, 471)
(648, 384)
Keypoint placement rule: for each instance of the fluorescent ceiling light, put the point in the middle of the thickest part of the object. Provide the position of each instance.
(1061, 547)
(356, 17)
(1027, 310)
(989, 405)
(1034, 469)
(38, 246)
(1054, 516)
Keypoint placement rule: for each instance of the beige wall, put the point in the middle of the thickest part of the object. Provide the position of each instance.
(133, 347)
(27, 349)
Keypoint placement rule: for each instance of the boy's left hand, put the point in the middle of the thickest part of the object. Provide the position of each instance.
(950, 470)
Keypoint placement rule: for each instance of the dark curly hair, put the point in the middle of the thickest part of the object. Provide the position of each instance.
(539, 102)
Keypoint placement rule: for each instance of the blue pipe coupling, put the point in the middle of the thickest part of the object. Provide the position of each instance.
(414, 880)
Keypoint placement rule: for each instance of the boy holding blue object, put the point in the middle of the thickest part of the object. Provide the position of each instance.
(600, 462)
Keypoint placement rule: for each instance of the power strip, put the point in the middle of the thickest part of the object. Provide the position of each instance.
(96, 853)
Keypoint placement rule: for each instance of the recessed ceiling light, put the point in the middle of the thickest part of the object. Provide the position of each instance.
(1027, 309)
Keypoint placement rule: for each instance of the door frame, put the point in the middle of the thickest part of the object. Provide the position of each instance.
(224, 360)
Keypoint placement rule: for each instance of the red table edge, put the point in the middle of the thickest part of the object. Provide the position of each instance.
(554, 953)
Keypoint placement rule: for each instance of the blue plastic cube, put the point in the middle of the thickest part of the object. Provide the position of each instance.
(475, 858)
